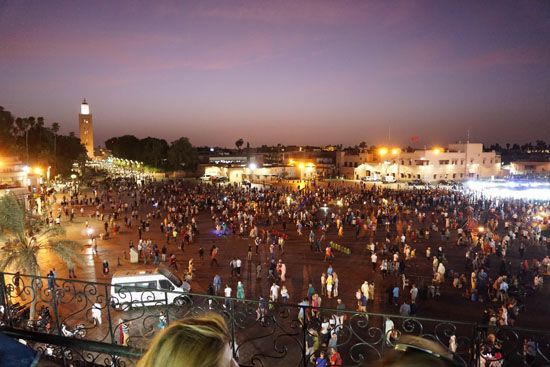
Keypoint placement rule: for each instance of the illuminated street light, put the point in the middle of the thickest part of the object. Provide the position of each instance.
(480, 229)
(301, 166)
(252, 166)
(38, 170)
(89, 231)
(383, 151)
(437, 150)
(26, 169)
(395, 151)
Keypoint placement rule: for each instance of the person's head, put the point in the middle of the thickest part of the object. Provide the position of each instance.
(198, 342)
(413, 351)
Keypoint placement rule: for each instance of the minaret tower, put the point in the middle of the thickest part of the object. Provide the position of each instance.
(86, 128)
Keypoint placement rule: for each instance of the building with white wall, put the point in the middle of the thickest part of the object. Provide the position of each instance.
(457, 162)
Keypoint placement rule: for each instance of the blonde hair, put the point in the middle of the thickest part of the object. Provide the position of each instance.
(194, 342)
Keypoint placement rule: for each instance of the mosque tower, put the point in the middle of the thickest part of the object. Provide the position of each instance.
(86, 128)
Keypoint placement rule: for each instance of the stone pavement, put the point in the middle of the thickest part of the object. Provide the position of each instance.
(303, 266)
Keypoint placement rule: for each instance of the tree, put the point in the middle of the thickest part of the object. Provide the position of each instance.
(540, 145)
(182, 155)
(6, 127)
(239, 143)
(25, 236)
(126, 146)
(363, 144)
(70, 150)
(55, 130)
(152, 151)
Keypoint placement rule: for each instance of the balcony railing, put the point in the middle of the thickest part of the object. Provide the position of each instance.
(263, 333)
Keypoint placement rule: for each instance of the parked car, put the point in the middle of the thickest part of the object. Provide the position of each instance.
(206, 178)
(373, 178)
(417, 183)
(389, 179)
(220, 179)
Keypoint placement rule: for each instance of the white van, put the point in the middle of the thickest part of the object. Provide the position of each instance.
(147, 288)
(389, 179)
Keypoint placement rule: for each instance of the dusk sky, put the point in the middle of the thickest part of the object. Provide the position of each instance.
(290, 72)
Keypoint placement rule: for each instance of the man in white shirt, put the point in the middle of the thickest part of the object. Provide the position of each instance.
(238, 264)
(414, 293)
(274, 292)
(227, 292)
(373, 259)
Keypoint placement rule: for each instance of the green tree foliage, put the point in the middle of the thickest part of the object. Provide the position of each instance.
(182, 155)
(6, 127)
(126, 146)
(239, 143)
(69, 151)
(153, 151)
(32, 141)
(24, 236)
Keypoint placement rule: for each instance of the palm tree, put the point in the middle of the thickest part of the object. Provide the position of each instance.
(24, 236)
(239, 143)
(55, 130)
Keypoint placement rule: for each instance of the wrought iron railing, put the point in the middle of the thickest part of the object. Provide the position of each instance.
(263, 333)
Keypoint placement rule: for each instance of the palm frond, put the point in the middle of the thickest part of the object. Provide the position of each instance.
(69, 251)
(48, 233)
(12, 215)
(8, 258)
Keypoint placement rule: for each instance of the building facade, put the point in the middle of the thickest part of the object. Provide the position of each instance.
(458, 162)
(528, 168)
(85, 123)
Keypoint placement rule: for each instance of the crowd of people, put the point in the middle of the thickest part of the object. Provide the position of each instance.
(390, 236)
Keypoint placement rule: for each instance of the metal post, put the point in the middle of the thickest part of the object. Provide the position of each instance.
(304, 338)
(55, 310)
(232, 313)
(474, 354)
(108, 302)
(4, 300)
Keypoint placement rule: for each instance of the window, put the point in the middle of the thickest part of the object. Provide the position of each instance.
(435, 176)
(148, 285)
(356, 164)
(454, 175)
(123, 287)
(462, 162)
(166, 285)
(454, 161)
(443, 161)
(483, 160)
(461, 175)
